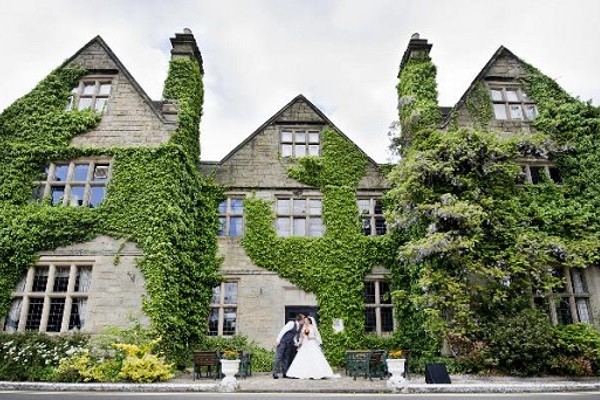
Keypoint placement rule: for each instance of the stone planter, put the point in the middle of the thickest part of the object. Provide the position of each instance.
(396, 369)
(229, 368)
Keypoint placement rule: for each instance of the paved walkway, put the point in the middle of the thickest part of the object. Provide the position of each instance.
(262, 382)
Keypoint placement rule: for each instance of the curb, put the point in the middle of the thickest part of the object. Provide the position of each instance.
(499, 388)
(110, 387)
(216, 387)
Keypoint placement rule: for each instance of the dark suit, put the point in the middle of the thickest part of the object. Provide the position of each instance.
(286, 349)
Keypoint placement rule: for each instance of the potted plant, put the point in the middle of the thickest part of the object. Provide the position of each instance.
(230, 355)
(395, 364)
(230, 365)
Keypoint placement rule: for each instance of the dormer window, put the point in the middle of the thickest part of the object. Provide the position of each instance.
(299, 142)
(90, 93)
(512, 104)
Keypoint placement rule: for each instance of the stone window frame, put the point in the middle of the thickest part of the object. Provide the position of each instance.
(91, 93)
(295, 215)
(378, 305)
(507, 98)
(370, 215)
(545, 167)
(56, 178)
(299, 142)
(571, 303)
(70, 290)
(220, 305)
(228, 213)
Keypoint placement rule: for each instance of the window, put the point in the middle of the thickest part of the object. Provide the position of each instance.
(299, 217)
(299, 142)
(223, 310)
(511, 103)
(91, 93)
(231, 217)
(50, 298)
(371, 217)
(379, 316)
(74, 183)
(536, 173)
(569, 303)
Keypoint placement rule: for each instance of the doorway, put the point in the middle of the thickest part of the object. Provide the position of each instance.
(292, 311)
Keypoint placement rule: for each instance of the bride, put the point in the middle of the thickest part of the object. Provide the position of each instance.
(310, 363)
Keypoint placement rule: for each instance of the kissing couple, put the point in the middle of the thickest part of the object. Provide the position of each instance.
(298, 354)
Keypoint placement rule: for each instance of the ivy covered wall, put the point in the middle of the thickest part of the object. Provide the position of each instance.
(156, 197)
(332, 267)
(417, 99)
(477, 238)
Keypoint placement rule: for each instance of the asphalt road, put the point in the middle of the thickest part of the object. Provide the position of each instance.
(5, 395)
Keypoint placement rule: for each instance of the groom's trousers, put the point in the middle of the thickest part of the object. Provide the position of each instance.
(284, 355)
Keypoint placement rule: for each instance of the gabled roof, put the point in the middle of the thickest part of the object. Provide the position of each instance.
(500, 52)
(278, 114)
(98, 40)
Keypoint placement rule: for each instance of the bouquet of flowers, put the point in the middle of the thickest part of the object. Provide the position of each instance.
(396, 354)
(230, 355)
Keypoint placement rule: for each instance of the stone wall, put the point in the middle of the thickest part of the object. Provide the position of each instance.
(505, 69)
(257, 163)
(262, 294)
(129, 119)
(116, 291)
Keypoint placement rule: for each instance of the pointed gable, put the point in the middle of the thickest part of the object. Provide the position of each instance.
(501, 73)
(258, 160)
(300, 110)
(130, 118)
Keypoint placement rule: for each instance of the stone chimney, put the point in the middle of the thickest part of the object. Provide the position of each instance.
(184, 46)
(417, 48)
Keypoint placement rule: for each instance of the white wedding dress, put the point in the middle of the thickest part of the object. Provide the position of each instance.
(310, 362)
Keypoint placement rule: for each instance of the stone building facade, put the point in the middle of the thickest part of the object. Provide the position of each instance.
(251, 301)
(261, 300)
(89, 286)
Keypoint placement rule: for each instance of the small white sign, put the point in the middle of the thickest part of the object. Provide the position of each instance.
(338, 325)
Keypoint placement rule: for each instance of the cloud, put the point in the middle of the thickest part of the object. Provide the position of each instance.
(342, 54)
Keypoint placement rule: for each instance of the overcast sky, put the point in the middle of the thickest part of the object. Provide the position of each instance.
(343, 55)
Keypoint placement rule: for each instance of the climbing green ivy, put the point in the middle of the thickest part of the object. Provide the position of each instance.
(156, 198)
(570, 128)
(333, 266)
(417, 100)
(479, 106)
(477, 238)
(184, 84)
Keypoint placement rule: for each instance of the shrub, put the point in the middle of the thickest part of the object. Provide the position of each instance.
(116, 354)
(145, 368)
(572, 365)
(472, 355)
(71, 369)
(82, 367)
(34, 356)
(521, 344)
(578, 350)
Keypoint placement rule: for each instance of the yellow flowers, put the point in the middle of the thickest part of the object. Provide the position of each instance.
(395, 354)
(230, 355)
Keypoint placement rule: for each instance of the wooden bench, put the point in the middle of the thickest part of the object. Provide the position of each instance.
(208, 361)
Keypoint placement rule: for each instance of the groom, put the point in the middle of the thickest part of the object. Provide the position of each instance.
(287, 345)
